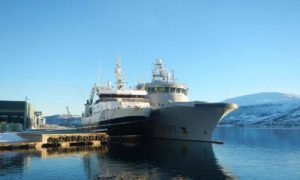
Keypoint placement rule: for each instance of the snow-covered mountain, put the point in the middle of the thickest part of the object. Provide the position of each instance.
(265, 109)
(265, 98)
(259, 110)
(64, 120)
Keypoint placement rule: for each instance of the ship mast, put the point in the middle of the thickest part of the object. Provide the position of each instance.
(119, 82)
(159, 73)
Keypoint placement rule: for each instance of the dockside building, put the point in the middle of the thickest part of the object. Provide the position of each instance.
(16, 115)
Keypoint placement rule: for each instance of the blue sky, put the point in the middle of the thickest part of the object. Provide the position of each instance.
(51, 51)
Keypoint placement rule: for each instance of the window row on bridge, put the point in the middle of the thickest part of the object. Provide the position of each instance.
(151, 90)
(120, 96)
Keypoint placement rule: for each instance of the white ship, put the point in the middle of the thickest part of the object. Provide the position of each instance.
(118, 110)
(174, 116)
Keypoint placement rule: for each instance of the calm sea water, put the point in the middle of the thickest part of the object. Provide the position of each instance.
(246, 154)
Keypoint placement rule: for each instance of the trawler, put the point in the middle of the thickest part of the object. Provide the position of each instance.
(119, 111)
(173, 116)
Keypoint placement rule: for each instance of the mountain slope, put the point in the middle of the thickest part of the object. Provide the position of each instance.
(64, 120)
(265, 98)
(265, 109)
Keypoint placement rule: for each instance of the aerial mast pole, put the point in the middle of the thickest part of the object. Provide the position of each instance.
(120, 83)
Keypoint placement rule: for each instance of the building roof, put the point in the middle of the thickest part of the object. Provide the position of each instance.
(13, 105)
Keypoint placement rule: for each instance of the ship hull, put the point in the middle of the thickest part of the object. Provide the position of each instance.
(118, 121)
(190, 121)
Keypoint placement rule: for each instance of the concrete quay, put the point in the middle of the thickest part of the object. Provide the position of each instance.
(59, 138)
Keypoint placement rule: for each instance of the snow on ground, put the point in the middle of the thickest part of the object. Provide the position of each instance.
(10, 137)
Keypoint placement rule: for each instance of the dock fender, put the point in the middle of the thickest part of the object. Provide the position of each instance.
(91, 138)
(67, 139)
(85, 139)
(50, 140)
(73, 138)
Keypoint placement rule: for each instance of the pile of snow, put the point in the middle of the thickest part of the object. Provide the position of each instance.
(10, 137)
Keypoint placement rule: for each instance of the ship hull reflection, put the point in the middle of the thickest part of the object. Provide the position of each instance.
(170, 158)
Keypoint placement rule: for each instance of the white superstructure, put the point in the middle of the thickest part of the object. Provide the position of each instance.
(118, 109)
(173, 116)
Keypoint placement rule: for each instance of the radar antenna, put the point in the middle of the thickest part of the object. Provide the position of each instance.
(100, 74)
(159, 73)
(120, 82)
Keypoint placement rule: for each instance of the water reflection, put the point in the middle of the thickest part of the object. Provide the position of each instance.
(15, 161)
(259, 153)
(163, 159)
(81, 150)
(279, 139)
(247, 153)
(155, 159)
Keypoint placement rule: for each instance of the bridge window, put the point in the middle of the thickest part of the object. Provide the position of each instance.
(159, 89)
(164, 89)
(172, 90)
(150, 90)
